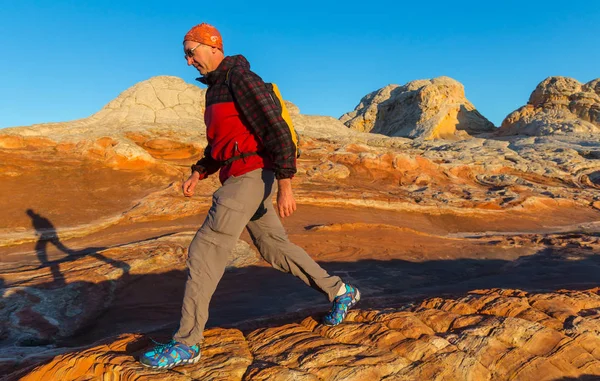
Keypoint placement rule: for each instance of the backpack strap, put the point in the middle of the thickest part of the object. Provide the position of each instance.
(238, 157)
(227, 80)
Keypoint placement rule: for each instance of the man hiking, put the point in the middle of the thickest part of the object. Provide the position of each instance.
(251, 145)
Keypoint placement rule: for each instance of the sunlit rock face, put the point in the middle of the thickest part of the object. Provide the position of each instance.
(487, 335)
(476, 255)
(558, 106)
(155, 119)
(423, 109)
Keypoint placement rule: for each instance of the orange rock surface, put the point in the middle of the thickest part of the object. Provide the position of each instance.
(486, 335)
(477, 259)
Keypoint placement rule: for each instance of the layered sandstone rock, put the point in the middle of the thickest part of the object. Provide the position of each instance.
(474, 173)
(63, 296)
(425, 109)
(93, 246)
(95, 293)
(488, 335)
(151, 160)
(558, 106)
(157, 118)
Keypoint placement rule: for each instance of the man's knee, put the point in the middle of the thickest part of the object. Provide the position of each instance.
(272, 248)
(270, 241)
(207, 235)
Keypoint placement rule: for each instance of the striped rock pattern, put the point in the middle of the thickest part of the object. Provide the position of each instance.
(486, 335)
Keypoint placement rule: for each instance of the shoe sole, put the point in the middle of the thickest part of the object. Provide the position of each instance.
(191, 361)
(352, 304)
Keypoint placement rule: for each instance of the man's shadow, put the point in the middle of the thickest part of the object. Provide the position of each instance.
(47, 234)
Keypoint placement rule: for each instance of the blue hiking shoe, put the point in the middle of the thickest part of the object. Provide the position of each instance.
(169, 355)
(341, 305)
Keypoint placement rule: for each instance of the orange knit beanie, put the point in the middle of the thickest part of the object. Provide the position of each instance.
(206, 34)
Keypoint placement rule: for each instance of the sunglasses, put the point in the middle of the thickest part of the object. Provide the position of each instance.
(189, 53)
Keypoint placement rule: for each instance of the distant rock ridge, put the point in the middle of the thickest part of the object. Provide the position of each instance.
(162, 99)
(159, 118)
(159, 114)
(162, 118)
(558, 105)
(423, 109)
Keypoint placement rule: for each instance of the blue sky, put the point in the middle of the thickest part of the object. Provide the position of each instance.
(64, 60)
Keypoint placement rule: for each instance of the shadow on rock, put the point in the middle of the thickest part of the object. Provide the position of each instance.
(47, 235)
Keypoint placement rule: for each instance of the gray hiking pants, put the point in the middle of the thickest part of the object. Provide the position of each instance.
(243, 201)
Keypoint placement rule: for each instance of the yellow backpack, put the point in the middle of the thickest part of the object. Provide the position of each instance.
(278, 100)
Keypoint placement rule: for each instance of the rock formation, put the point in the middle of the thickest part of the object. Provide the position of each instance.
(487, 335)
(477, 258)
(158, 117)
(423, 109)
(558, 106)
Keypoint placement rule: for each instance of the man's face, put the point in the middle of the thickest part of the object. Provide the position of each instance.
(199, 56)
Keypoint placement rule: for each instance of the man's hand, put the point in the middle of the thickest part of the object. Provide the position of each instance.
(190, 184)
(286, 205)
